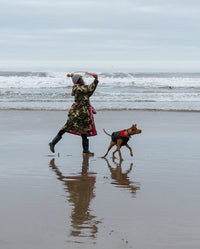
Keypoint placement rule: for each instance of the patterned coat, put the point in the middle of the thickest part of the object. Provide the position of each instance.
(80, 117)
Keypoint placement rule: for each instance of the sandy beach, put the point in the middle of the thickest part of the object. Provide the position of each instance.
(150, 201)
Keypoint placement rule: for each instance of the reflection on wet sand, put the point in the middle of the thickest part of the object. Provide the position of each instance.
(121, 178)
(80, 189)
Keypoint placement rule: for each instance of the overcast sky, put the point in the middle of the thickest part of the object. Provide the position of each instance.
(117, 35)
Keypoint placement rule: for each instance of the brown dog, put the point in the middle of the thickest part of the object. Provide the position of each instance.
(121, 138)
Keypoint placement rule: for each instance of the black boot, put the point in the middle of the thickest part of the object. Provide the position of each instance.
(85, 144)
(54, 142)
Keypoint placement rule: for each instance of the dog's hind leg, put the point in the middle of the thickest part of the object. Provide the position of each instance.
(109, 148)
(119, 143)
(114, 153)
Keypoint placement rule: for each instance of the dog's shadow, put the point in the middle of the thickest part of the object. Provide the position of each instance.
(121, 179)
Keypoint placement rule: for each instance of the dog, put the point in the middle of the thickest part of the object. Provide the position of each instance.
(121, 138)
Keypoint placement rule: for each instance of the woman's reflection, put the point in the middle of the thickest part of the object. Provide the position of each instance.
(121, 178)
(81, 192)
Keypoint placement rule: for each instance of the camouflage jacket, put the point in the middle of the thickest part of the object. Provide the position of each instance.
(80, 118)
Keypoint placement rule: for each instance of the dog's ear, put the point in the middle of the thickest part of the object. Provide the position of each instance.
(133, 127)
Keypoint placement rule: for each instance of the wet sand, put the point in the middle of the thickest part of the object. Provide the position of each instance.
(64, 200)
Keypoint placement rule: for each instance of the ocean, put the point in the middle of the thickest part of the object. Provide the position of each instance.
(117, 91)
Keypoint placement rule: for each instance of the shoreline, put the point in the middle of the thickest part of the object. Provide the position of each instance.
(103, 109)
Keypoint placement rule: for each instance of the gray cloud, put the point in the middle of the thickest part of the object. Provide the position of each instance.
(126, 30)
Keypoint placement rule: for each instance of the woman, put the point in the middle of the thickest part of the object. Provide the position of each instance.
(80, 117)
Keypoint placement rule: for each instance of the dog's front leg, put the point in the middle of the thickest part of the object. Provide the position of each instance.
(131, 152)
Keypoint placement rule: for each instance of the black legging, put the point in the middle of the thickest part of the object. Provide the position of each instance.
(84, 136)
(61, 132)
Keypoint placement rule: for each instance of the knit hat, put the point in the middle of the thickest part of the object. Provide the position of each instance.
(75, 78)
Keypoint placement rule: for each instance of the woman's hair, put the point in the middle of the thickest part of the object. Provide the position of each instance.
(80, 81)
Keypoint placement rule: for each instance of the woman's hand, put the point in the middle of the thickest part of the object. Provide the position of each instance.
(95, 76)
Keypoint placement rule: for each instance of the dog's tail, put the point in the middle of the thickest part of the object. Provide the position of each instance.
(106, 132)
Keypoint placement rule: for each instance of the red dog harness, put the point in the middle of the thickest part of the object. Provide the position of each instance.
(120, 134)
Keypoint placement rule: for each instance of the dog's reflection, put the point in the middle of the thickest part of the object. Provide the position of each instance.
(80, 193)
(121, 179)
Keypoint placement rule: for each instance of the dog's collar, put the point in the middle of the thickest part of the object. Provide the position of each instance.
(128, 133)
